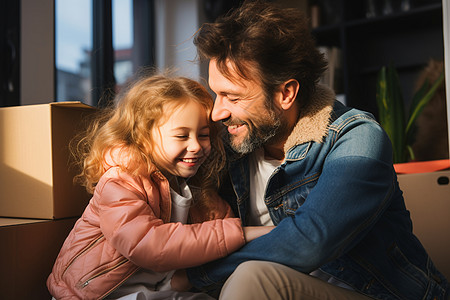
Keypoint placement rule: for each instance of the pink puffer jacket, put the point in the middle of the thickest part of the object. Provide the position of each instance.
(126, 226)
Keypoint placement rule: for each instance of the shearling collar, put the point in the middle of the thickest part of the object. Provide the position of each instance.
(312, 125)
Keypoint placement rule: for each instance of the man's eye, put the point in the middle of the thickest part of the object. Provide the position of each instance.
(232, 98)
(206, 135)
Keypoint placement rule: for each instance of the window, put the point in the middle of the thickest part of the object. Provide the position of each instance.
(99, 45)
(122, 11)
(9, 53)
(73, 48)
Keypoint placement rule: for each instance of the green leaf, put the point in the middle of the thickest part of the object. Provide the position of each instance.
(418, 96)
(410, 134)
(381, 96)
(411, 152)
(417, 109)
(391, 110)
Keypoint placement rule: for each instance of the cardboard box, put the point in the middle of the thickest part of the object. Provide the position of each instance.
(28, 252)
(427, 197)
(36, 180)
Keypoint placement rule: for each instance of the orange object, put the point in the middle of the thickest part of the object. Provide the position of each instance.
(422, 166)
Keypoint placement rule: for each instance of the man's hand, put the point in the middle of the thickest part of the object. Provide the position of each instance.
(253, 232)
(180, 282)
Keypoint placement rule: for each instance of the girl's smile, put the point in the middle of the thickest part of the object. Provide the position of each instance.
(192, 162)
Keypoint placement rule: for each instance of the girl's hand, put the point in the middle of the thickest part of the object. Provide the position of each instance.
(180, 282)
(253, 232)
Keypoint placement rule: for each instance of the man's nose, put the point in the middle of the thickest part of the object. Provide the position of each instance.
(219, 111)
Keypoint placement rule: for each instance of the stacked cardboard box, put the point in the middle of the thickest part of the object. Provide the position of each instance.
(39, 203)
(29, 249)
(427, 197)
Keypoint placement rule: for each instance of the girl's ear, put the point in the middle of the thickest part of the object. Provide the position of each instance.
(288, 93)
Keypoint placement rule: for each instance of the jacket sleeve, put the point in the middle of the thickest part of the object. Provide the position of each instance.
(355, 187)
(216, 208)
(136, 230)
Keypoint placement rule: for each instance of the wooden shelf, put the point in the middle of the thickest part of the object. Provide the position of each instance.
(407, 39)
(427, 16)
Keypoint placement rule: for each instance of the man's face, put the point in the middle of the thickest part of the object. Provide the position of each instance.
(242, 107)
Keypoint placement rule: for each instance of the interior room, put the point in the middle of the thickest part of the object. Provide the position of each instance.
(61, 60)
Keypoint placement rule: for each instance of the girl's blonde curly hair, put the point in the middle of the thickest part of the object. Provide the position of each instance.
(128, 124)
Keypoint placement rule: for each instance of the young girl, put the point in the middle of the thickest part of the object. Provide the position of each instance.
(144, 221)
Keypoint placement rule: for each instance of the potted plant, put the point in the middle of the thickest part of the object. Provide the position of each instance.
(391, 109)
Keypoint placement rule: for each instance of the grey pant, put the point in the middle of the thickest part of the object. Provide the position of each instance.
(261, 280)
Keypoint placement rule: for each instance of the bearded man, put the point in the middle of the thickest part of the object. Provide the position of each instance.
(318, 170)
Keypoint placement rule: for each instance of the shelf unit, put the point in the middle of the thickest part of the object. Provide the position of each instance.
(406, 39)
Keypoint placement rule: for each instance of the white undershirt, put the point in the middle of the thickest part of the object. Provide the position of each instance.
(260, 171)
(181, 203)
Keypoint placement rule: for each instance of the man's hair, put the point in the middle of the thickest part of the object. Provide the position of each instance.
(266, 43)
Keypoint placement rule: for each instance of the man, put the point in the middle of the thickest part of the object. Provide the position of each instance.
(319, 171)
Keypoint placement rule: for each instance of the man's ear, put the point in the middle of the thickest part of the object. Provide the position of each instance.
(288, 93)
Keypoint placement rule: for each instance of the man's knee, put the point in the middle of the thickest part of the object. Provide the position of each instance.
(269, 280)
(254, 271)
(260, 280)
(248, 276)
(251, 266)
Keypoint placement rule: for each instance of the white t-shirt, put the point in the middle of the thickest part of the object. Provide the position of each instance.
(260, 171)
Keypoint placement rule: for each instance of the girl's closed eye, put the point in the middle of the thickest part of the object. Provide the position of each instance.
(180, 133)
(204, 134)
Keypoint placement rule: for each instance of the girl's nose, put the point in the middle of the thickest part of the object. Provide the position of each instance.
(219, 111)
(194, 145)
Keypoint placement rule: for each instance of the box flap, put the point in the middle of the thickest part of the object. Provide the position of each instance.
(77, 104)
(12, 221)
(68, 119)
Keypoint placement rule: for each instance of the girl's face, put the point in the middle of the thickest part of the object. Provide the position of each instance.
(182, 143)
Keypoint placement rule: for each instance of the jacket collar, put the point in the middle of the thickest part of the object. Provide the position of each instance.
(314, 119)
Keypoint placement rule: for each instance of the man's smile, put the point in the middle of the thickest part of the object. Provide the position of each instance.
(234, 126)
(235, 129)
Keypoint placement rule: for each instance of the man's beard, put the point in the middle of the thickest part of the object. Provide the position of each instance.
(264, 129)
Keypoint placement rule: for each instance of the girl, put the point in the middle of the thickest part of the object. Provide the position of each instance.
(144, 221)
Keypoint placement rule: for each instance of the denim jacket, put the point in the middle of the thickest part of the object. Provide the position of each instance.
(337, 205)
